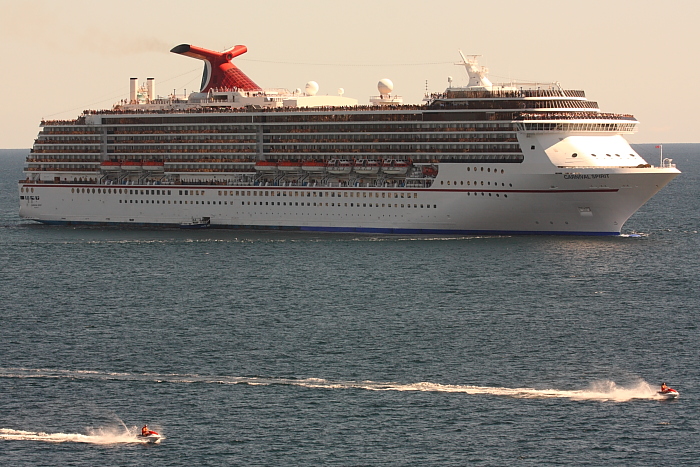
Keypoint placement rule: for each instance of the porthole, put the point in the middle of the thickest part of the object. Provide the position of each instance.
(574, 155)
(72, 190)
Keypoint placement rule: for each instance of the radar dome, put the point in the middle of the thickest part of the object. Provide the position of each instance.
(341, 91)
(311, 88)
(385, 86)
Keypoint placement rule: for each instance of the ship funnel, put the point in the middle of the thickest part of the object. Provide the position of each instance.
(219, 72)
(133, 87)
(151, 88)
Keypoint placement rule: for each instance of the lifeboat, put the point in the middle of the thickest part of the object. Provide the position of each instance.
(289, 166)
(313, 166)
(110, 165)
(395, 167)
(153, 165)
(266, 166)
(131, 165)
(339, 167)
(430, 171)
(367, 166)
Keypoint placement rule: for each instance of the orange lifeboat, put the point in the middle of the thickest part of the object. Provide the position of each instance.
(110, 165)
(314, 166)
(153, 165)
(289, 166)
(131, 165)
(266, 166)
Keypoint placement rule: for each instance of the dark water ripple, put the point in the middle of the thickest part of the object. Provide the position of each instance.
(296, 349)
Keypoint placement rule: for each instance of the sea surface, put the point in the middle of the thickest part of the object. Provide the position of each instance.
(272, 349)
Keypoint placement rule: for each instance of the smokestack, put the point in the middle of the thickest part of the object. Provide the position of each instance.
(151, 88)
(132, 90)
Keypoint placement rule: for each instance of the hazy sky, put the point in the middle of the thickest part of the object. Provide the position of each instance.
(638, 57)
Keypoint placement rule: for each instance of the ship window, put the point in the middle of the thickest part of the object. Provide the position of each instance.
(72, 190)
(532, 147)
(574, 155)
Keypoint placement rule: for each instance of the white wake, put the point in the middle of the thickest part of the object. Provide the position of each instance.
(599, 390)
(97, 436)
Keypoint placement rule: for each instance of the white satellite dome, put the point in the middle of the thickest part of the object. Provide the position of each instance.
(385, 86)
(311, 88)
(341, 91)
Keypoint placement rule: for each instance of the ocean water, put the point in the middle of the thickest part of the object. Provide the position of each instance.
(269, 348)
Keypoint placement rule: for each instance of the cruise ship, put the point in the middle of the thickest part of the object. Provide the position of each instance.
(485, 158)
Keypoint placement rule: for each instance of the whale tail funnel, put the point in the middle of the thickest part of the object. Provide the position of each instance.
(219, 72)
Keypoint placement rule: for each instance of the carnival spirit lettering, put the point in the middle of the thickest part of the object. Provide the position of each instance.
(585, 176)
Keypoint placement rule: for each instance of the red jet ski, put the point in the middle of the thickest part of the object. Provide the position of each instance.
(150, 436)
(668, 393)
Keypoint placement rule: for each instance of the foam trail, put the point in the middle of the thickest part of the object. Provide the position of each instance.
(600, 390)
(99, 436)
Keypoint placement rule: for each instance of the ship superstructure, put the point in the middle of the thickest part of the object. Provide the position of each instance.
(482, 158)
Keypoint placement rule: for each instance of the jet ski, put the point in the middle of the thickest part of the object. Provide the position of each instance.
(668, 394)
(152, 437)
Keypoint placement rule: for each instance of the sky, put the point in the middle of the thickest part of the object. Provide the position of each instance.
(634, 57)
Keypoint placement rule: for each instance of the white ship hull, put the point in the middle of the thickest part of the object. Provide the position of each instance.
(595, 202)
(483, 158)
